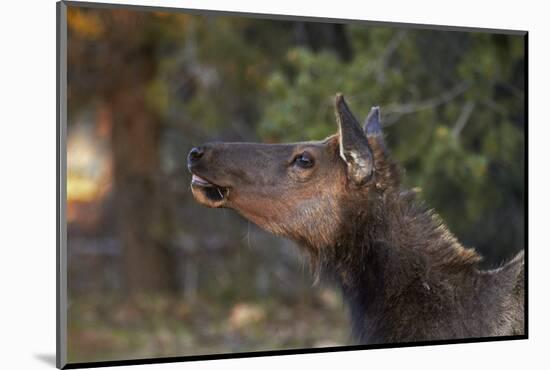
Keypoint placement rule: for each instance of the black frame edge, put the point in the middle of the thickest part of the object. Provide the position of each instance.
(285, 352)
(289, 17)
(526, 190)
(57, 195)
(61, 252)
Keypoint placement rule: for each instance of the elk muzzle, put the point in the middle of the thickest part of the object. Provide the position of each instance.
(205, 190)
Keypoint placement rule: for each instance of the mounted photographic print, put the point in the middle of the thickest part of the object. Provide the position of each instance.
(235, 184)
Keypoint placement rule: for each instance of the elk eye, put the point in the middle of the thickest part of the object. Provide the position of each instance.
(304, 160)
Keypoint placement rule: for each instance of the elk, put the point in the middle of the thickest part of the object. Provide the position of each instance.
(404, 275)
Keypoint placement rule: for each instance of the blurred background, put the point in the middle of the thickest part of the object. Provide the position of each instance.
(152, 273)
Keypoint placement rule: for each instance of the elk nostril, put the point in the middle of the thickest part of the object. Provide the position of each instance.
(195, 154)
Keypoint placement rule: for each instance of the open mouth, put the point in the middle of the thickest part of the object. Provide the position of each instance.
(208, 193)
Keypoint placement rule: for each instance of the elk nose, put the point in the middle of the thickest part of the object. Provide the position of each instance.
(194, 155)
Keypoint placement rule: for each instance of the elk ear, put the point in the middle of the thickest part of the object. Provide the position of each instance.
(372, 122)
(354, 146)
(373, 130)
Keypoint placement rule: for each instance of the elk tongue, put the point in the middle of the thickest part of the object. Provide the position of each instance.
(200, 181)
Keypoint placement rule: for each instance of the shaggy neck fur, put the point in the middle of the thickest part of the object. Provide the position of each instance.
(406, 278)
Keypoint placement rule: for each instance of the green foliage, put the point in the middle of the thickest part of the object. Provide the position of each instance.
(452, 105)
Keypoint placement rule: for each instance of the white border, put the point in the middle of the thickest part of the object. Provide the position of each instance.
(27, 195)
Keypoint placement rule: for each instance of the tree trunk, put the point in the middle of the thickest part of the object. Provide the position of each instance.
(147, 264)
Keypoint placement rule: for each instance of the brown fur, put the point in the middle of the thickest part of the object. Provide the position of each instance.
(403, 273)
